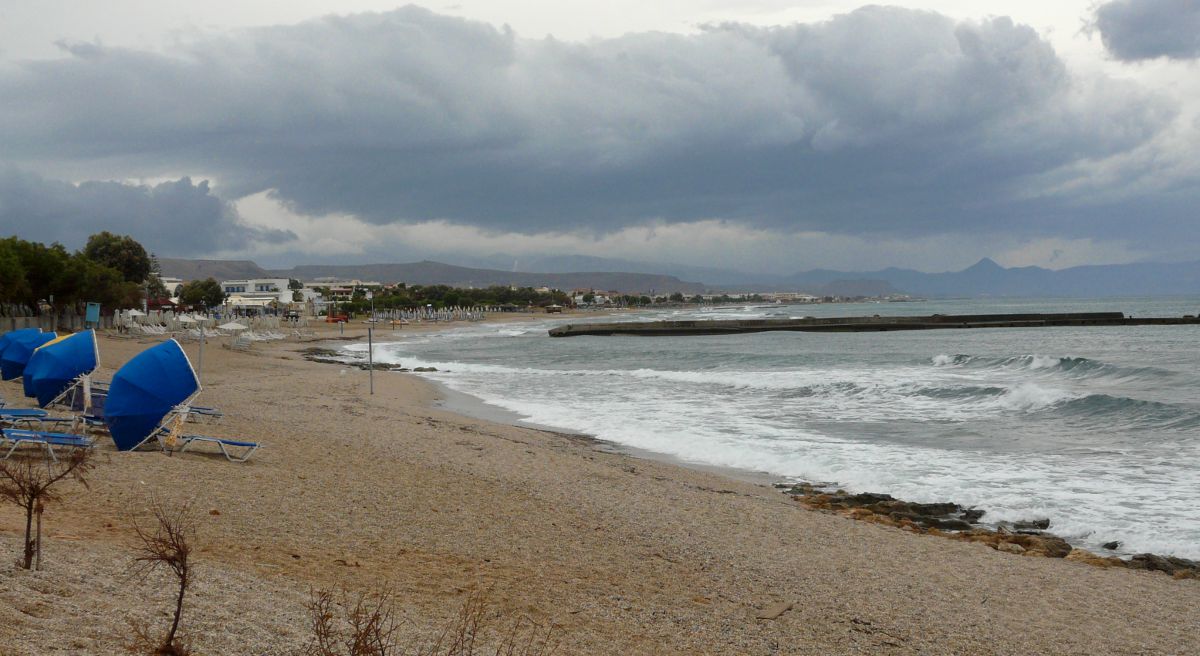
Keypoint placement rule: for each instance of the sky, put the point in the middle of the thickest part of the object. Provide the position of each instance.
(759, 135)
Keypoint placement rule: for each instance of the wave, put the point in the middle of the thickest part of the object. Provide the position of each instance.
(1106, 408)
(1075, 367)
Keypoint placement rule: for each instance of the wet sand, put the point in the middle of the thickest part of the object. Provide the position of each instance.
(623, 554)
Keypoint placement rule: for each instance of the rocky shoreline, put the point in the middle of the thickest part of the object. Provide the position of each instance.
(950, 520)
(945, 519)
(331, 356)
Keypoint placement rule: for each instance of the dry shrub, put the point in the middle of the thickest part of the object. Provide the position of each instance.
(166, 545)
(27, 482)
(365, 624)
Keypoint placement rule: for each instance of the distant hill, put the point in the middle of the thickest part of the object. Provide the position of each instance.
(433, 273)
(853, 288)
(436, 273)
(219, 269)
(987, 278)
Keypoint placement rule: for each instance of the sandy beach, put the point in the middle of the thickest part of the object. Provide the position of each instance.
(621, 554)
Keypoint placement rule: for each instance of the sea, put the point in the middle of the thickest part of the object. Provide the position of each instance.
(1096, 429)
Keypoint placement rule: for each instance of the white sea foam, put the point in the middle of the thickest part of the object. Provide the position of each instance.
(990, 429)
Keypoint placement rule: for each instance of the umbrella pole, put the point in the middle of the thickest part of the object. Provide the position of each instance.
(200, 360)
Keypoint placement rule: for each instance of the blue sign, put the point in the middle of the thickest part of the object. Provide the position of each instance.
(93, 313)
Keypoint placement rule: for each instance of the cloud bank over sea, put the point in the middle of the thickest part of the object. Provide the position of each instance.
(881, 124)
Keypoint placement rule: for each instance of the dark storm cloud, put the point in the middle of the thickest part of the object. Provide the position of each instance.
(1148, 29)
(170, 218)
(880, 120)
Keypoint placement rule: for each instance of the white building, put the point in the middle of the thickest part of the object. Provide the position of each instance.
(262, 292)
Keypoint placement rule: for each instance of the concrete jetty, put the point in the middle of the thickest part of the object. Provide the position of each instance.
(868, 324)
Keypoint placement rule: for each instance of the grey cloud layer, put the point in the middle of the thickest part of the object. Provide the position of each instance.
(171, 218)
(1148, 29)
(880, 120)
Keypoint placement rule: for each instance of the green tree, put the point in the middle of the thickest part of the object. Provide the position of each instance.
(207, 291)
(294, 284)
(13, 285)
(122, 253)
(677, 297)
(82, 280)
(155, 288)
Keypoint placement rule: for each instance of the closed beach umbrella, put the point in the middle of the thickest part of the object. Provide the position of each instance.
(27, 375)
(145, 390)
(57, 365)
(9, 336)
(18, 352)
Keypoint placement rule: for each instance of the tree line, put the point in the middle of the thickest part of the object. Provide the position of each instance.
(442, 296)
(113, 270)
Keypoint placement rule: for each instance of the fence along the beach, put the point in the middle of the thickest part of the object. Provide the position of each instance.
(47, 322)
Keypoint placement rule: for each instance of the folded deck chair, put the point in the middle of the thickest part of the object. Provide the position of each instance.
(45, 440)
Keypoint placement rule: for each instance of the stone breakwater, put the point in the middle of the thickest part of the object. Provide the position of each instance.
(950, 520)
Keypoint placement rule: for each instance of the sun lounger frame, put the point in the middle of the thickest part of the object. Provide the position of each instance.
(19, 437)
(226, 446)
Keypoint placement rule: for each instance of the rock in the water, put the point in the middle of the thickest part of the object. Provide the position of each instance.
(972, 515)
(1032, 525)
(940, 523)
(774, 610)
(1168, 564)
(1051, 545)
(1115, 544)
(424, 369)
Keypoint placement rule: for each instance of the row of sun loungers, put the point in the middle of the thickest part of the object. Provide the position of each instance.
(148, 401)
(34, 421)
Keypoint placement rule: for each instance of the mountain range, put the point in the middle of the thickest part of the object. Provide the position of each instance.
(434, 273)
(984, 278)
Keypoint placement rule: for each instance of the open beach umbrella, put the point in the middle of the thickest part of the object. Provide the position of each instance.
(9, 336)
(145, 390)
(58, 364)
(20, 348)
(232, 325)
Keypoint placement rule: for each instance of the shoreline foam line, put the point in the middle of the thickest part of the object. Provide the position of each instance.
(867, 324)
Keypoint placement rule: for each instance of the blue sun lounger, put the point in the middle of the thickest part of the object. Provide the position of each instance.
(47, 441)
(8, 414)
(233, 450)
(30, 417)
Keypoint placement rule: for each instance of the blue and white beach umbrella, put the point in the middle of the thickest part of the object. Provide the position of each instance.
(58, 365)
(146, 390)
(18, 351)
